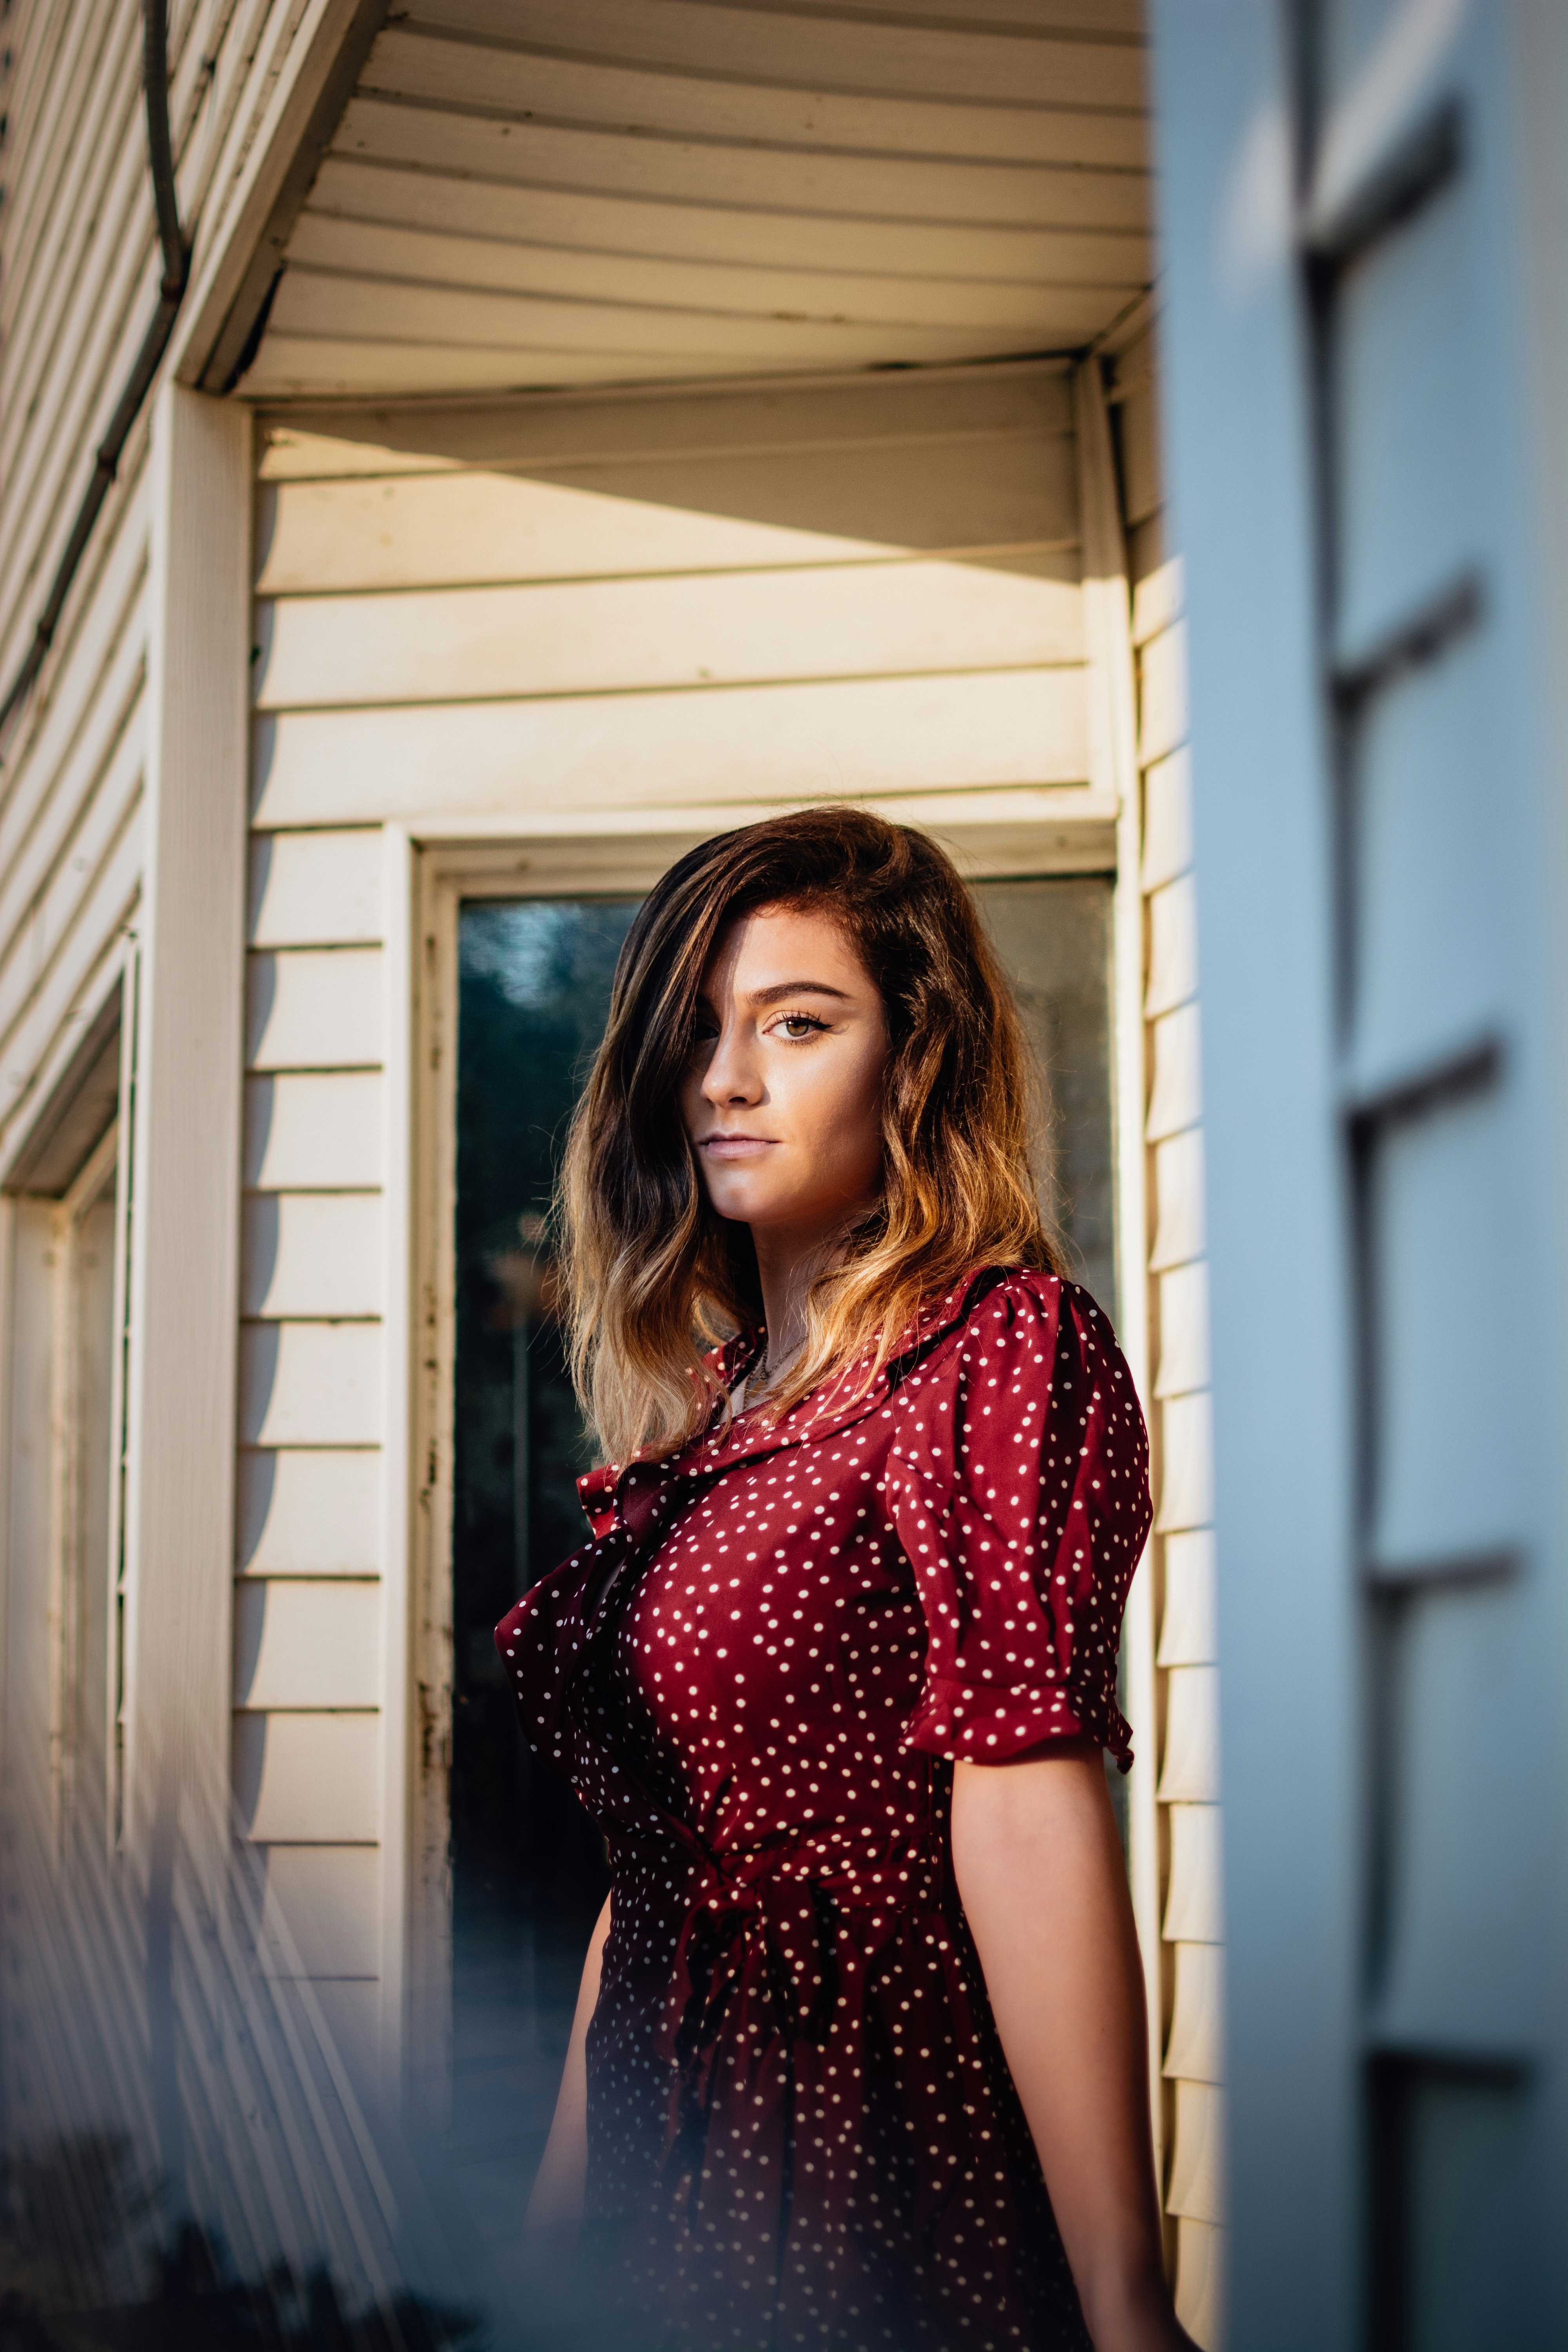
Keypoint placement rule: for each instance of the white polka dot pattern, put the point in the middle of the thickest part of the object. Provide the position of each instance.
(801, 2126)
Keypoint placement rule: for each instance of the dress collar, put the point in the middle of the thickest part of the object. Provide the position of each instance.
(626, 1496)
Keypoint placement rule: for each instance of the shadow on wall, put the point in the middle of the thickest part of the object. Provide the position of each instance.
(89, 2259)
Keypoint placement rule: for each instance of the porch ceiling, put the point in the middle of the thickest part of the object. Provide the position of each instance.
(579, 191)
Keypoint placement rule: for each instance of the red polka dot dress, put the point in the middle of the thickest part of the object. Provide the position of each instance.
(801, 2126)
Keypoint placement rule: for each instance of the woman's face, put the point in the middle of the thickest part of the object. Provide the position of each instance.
(782, 1100)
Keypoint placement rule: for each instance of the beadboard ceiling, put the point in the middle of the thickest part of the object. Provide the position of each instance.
(531, 193)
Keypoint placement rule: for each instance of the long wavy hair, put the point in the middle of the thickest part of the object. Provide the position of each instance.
(653, 1274)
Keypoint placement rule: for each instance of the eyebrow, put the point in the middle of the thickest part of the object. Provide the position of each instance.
(783, 987)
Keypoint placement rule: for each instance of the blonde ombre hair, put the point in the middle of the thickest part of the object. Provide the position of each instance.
(653, 1274)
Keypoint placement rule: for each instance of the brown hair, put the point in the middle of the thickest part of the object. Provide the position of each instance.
(650, 1269)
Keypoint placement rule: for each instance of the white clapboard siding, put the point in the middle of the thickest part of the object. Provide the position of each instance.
(308, 1778)
(322, 306)
(1197, 2173)
(389, 250)
(1200, 2278)
(1190, 1774)
(1163, 708)
(854, 52)
(321, 1911)
(1186, 1487)
(313, 1131)
(63, 741)
(1188, 1632)
(53, 1004)
(314, 1643)
(1167, 819)
(309, 1383)
(563, 435)
(603, 201)
(914, 188)
(1182, 1232)
(46, 928)
(586, 637)
(315, 889)
(768, 742)
(310, 1512)
(1175, 1098)
(760, 246)
(1158, 600)
(862, 500)
(309, 1009)
(434, 529)
(1188, 1655)
(312, 1254)
(1196, 2052)
(710, 107)
(1173, 946)
(1195, 1906)
(1184, 1330)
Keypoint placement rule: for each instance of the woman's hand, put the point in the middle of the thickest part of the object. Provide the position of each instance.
(1039, 1868)
(555, 2208)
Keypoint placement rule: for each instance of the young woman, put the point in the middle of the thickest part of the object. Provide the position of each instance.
(859, 2056)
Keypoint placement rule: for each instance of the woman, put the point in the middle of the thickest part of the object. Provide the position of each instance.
(860, 2054)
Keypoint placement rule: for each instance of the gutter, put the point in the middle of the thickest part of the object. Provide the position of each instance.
(176, 253)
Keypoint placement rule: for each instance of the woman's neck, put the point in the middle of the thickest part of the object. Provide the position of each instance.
(787, 1265)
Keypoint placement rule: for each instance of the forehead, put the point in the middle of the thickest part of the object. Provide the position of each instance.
(775, 944)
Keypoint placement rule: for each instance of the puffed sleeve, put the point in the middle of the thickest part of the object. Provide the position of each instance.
(1018, 1484)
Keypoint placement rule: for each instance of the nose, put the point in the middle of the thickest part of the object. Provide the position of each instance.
(732, 1076)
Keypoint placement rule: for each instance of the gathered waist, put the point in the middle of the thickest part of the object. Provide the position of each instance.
(852, 1869)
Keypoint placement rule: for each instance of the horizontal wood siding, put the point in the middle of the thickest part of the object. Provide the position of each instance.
(605, 193)
(79, 266)
(1188, 1789)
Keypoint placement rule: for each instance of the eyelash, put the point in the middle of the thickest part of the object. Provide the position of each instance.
(810, 1019)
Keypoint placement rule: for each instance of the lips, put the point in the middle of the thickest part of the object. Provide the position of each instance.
(735, 1146)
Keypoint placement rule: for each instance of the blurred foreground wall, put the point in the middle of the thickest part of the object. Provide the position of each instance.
(1363, 214)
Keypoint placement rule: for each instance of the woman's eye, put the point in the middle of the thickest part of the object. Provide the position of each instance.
(797, 1025)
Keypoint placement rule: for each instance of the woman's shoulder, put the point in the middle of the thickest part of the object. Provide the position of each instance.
(1024, 1301)
(1019, 1328)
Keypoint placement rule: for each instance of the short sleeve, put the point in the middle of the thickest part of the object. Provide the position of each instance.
(1018, 1485)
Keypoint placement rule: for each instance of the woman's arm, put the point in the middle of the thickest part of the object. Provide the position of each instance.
(1040, 1871)
(556, 2203)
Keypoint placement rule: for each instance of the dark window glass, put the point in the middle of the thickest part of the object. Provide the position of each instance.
(528, 1869)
